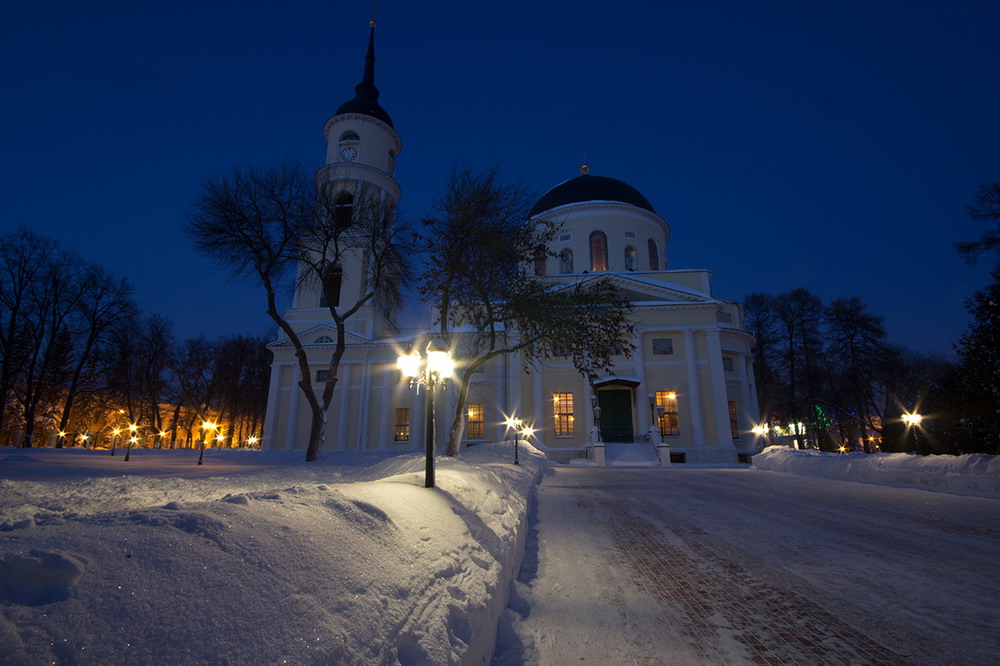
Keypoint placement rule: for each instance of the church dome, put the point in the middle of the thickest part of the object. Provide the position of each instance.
(590, 188)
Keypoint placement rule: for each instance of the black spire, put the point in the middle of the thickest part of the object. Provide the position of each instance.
(365, 93)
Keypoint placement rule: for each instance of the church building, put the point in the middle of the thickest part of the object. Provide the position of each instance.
(686, 395)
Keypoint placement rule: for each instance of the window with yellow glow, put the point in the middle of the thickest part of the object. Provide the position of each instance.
(562, 406)
(734, 422)
(475, 426)
(402, 430)
(669, 425)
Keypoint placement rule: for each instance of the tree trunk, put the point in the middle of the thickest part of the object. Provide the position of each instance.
(458, 422)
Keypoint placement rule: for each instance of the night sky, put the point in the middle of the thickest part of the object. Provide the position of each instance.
(832, 146)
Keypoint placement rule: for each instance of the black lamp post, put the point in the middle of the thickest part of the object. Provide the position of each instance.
(435, 368)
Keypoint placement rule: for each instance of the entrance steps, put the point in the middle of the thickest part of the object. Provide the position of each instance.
(630, 454)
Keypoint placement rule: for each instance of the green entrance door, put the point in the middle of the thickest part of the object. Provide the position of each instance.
(616, 415)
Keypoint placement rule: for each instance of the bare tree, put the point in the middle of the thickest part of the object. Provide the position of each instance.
(478, 245)
(24, 258)
(104, 301)
(262, 222)
(985, 209)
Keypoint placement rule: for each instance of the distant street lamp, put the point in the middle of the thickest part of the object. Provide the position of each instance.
(114, 439)
(206, 428)
(131, 442)
(519, 428)
(427, 371)
(913, 420)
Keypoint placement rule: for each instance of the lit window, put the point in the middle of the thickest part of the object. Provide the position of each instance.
(663, 346)
(631, 258)
(734, 422)
(475, 426)
(654, 255)
(562, 406)
(566, 261)
(402, 430)
(540, 257)
(669, 425)
(598, 251)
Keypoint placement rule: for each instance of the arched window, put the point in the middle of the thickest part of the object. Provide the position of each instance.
(598, 251)
(566, 261)
(324, 340)
(333, 278)
(540, 260)
(343, 210)
(631, 258)
(654, 256)
(350, 135)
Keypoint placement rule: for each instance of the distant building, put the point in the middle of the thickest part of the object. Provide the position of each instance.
(688, 385)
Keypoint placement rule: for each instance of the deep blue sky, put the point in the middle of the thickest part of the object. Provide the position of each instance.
(831, 146)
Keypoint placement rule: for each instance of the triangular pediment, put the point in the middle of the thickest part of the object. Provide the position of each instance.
(640, 290)
(319, 335)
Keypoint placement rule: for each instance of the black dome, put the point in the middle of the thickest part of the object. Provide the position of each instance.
(365, 105)
(590, 188)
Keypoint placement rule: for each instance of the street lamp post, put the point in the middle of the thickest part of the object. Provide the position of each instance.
(209, 426)
(428, 370)
(518, 426)
(114, 439)
(913, 420)
(597, 415)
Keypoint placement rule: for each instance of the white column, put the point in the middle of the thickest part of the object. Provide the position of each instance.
(344, 386)
(694, 390)
(720, 402)
(538, 407)
(747, 412)
(417, 418)
(293, 410)
(270, 435)
(642, 393)
(501, 400)
(386, 414)
(364, 408)
(514, 372)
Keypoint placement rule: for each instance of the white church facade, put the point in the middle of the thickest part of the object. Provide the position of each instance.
(687, 391)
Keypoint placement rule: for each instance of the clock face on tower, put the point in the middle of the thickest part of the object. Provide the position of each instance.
(348, 154)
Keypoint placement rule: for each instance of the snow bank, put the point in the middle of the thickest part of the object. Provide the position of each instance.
(258, 558)
(976, 474)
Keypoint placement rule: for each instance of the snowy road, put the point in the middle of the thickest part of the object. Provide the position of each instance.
(689, 566)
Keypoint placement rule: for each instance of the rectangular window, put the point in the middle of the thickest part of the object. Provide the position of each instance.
(322, 376)
(734, 422)
(727, 363)
(630, 235)
(669, 426)
(725, 318)
(475, 425)
(663, 346)
(402, 430)
(562, 406)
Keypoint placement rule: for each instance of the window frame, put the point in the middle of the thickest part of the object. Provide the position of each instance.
(401, 431)
(669, 422)
(563, 415)
(475, 428)
(598, 252)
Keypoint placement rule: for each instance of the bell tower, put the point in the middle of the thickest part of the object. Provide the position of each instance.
(361, 153)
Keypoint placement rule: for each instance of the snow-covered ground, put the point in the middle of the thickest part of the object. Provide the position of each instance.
(705, 566)
(976, 474)
(256, 557)
(261, 558)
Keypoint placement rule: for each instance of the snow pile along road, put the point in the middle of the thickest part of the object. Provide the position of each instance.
(975, 474)
(268, 566)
